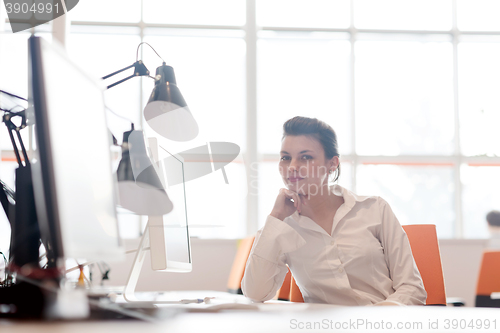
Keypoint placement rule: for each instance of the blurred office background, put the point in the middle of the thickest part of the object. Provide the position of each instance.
(411, 88)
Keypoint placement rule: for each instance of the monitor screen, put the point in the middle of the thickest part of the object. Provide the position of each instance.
(74, 185)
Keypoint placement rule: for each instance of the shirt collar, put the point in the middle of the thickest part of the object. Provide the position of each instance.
(350, 200)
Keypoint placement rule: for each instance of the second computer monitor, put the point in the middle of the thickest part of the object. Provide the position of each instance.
(75, 188)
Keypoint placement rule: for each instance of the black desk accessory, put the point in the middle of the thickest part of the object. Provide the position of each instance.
(21, 299)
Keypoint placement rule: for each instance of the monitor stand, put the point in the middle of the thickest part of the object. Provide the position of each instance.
(133, 277)
(144, 245)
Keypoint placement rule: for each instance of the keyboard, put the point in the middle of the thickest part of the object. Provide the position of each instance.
(153, 306)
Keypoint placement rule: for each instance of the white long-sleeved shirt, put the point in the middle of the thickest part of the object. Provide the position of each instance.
(365, 259)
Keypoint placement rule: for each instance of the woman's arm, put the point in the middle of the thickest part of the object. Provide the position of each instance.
(266, 266)
(406, 279)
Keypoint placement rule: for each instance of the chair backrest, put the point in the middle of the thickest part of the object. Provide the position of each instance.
(289, 291)
(489, 279)
(295, 294)
(284, 291)
(239, 263)
(425, 248)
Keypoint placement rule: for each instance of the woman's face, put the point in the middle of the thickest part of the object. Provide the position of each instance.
(303, 166)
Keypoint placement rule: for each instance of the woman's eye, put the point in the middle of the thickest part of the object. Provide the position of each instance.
(285, 158)
(307, 157)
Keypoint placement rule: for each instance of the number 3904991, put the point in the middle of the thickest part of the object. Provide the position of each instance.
(25, 8)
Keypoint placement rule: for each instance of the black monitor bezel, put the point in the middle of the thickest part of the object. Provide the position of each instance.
(43, 168)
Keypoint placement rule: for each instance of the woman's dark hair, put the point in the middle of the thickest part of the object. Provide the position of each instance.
(317, 129)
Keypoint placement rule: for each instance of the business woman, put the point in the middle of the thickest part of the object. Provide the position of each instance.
(341, 248)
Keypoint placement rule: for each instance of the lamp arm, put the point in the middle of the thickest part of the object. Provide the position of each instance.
(23, 148)
(118, 82)
(139, 70)
(118, 71)
(12, 95)
(16, 151)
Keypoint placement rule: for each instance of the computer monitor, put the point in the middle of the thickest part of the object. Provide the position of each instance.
(169, 234)
(166, 236)
(74, 185)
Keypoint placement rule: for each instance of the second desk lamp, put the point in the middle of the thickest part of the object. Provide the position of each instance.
(140, 188)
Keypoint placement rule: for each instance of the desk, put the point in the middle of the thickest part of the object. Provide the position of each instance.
(293, 317)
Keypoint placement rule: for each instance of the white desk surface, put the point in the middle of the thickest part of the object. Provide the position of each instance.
(286, 317)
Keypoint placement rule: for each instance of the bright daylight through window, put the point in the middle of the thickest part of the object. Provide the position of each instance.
(413, 100)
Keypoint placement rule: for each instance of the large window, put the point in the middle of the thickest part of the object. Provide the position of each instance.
(409, 86)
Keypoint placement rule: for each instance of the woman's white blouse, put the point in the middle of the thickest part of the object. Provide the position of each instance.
(365, 260)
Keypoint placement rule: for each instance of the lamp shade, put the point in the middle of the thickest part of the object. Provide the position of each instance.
(167, 112)
(140, 188)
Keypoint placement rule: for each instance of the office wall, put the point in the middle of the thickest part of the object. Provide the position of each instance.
(212, 260)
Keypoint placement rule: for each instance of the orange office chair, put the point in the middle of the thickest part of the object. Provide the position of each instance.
(425, 248)
(284, 292)
(295, 294)
(489, 279)
(289, 291)
(239, 263)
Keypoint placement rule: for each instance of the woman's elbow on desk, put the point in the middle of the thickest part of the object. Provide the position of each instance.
(255, 293)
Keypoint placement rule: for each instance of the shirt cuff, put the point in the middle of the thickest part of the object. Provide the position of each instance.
(277, 238)
(389, 303)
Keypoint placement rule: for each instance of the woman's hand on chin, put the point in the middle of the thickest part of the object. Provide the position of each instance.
(284, 206)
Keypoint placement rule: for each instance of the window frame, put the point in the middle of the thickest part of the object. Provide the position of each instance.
(252, 155)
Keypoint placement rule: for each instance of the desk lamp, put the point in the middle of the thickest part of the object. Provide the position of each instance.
(17, 298)
(140, 188)
(166, 111)
(25, 233)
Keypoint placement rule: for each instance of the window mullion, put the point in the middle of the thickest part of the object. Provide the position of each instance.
(459, 224)
(352, 31)
(251, 155)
